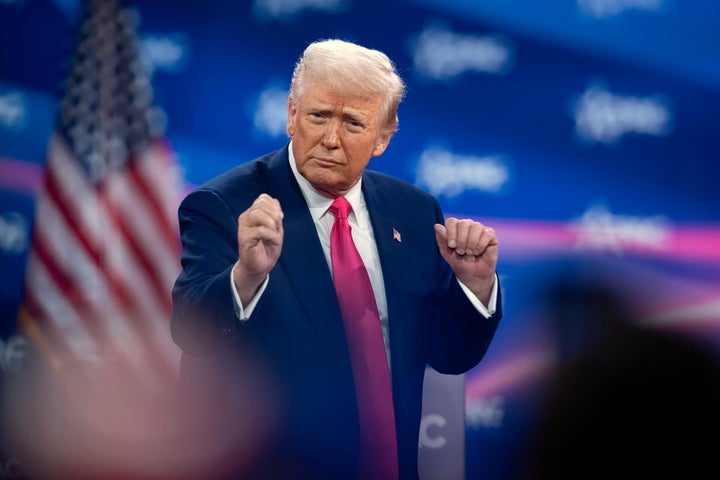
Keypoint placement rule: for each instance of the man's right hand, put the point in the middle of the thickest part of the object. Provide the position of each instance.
(260, 237)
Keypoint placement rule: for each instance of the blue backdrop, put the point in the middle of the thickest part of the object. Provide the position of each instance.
(575, 128)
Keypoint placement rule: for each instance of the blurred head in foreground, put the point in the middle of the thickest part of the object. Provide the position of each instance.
(624, 399)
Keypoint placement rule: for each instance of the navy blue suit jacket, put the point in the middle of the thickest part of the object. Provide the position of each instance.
(295, 337)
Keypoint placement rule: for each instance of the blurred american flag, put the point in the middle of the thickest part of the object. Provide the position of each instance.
(105, 247)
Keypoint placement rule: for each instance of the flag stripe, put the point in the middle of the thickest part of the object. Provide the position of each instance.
(153, 195)
(56, 315)
(61, 347)
(66, 287)
(142, 256)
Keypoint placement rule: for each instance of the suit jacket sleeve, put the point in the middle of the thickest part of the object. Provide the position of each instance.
(203, 319)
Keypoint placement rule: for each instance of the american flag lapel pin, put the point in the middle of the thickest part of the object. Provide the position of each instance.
(396, 236)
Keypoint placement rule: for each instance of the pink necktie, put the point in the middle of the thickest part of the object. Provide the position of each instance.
(378, 443)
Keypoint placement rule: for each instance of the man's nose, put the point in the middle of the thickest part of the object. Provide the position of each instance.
(330, 138)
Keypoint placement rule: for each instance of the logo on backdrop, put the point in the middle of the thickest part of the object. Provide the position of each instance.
(286, 9)
(604, 117)
(450, 174)
(13, 352)
(168, 53)
(440, 54)
(612, 8)
(270, 112)
(429, 428)
(14, 233)
(599, 229)
(485, 412)
(13, 110)
(11, 468)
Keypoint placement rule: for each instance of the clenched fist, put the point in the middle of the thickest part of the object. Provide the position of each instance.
(471, 250)
(260, 238)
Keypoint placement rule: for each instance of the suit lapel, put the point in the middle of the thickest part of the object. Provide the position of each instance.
(302, 259)
(387, 224)
(395, 257)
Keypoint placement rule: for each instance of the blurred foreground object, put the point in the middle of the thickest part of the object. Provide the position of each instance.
(624, 398)
(78, 427)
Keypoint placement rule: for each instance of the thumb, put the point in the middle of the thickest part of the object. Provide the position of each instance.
(441, 236)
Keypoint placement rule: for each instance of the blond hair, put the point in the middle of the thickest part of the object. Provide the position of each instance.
(344, 66)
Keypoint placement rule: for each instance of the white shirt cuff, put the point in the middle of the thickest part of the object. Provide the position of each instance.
(243, 314)
(492, 304)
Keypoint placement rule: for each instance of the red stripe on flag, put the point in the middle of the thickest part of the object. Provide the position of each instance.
(155, 203)
(141, 256)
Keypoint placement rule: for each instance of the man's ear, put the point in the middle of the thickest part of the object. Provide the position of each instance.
(291, 117)
(381, 144)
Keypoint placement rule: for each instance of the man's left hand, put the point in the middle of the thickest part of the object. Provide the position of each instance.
(471, 250)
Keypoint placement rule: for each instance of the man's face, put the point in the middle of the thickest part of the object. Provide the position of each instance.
(334, 136)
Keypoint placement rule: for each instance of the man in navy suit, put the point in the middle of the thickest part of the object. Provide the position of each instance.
(255, 310)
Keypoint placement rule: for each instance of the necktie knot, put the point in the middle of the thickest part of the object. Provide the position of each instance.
(340, 207)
